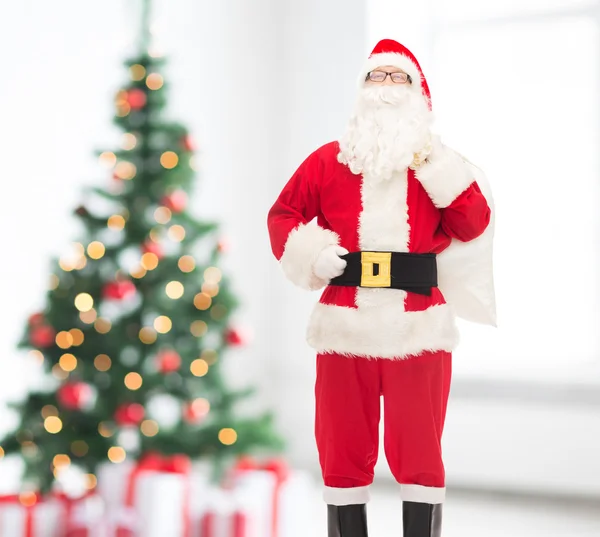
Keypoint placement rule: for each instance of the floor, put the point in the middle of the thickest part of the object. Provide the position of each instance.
(484, 515)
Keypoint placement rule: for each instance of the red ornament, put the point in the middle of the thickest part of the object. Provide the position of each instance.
(194, 412)
(74, 395)
(36, 319)
(151, 247)
(42, 336)
(129, 414)
(119, 290)
(236, 337)
(168, 361)
(176, 201)
(136, 99)
(188, 143)
(223, 246)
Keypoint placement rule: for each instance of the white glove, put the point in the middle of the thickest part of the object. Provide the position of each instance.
(329, 264)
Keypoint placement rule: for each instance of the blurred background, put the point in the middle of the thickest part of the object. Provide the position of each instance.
(260, 85)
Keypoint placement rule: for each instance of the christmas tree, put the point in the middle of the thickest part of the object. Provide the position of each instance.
(137, 317)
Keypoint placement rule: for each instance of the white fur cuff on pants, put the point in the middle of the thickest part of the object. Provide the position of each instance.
(421, 494)
(349, 496)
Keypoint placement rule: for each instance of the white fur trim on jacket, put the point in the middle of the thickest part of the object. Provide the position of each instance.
(349, 496)
(385, 331)
(397, 60)
(421, 494)
(444, 175)
(302, 248)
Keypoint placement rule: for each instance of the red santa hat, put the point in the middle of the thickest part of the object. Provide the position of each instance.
(390, 52)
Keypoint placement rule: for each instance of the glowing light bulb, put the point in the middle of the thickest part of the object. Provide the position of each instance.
(91, 481)
(211, 289)
(128, 141)
(227, 436)
(176, 233)
(116, 222)
(49, 410)
(116, 454)
(209, 356)
(162, 215)
(64, 340)
(163, 324)
(199, 367)
(169, 159)
(202, 301)
(102, 326)
(68, 362)
(84, 302)
(53, 424)
(79, 448)
(108, 159)
(198, 328)
(154, 81)
(88, 317)
(54, 282)
(137, 72)
(212, 275)
(149, 261)
(77, 335)
(37, 356)
(186, 263)
(133, 381)
(125, 170)
(102, 362)
(61, 460)
(149, 428)
(147, 335)
(96, 250)
(138, 272)
(174, 290)
(105, 430)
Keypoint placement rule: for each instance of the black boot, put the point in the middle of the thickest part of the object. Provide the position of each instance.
(422, 519)
(347, 520)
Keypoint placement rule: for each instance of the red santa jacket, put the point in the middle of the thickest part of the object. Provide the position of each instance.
(418, 212)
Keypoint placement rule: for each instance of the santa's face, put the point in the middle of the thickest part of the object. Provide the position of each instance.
(391, 122)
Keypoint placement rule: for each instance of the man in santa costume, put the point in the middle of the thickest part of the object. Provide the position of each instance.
(387, 198)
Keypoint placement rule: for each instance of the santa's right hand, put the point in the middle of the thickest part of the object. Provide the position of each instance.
(329, 264)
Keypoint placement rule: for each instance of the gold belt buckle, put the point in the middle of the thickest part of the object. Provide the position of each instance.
(383, 260)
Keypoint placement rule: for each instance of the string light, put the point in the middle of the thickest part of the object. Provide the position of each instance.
(199, 367)
(68, 362)
(209, 356)
(53, 424)
(133, 381)
(108, 159)
(88, 317)
(61, 460)
(77, 335)
(186, 263)
(137, 72)
(124, 109)
(227, 436)
(116, 222)
(211, 289)
(96, 250)
(163, 324)
(64, 340)
(91, 481)
(218, 311)
(116, 454)
(154, 81)
(149, 428)
(174, 290)
(202, 301)
(66, 264)
(79, 448)
(125, 170)
(176, 233)
(155, 234)
(212, 275)
(37, 356)
(80, 263)
(128, 141)
(102, 362)
(138, 272)
(198, 328)
(162, 215)
(105, 429)
(1, 452)
(102, 326)
(27, 499)
(49, 410)
(169, 160)
(149, 261)
(121, 98)
(84, 302)
(201, 407)
(147, 335)
(59, 372)
(54, 282)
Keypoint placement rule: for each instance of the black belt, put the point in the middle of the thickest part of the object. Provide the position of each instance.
(416, 273)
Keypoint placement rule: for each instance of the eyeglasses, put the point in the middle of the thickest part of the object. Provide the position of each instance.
(397, 78)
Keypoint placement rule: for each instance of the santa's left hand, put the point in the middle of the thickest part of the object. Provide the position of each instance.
(421, 156)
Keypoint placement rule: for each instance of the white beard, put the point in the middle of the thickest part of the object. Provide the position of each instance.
(389, 125)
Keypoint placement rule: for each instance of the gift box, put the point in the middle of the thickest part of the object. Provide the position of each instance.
(256, 500)
(84, 517)
(149, 498)
(30, 516)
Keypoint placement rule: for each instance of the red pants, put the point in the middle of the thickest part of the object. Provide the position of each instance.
(415, 394)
